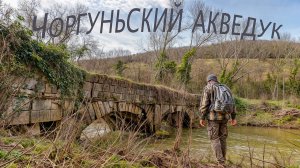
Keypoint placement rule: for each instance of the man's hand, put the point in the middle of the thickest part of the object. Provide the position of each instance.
(202, 123)
(233, 122)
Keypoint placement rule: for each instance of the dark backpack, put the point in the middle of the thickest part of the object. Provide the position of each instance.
(224, 101)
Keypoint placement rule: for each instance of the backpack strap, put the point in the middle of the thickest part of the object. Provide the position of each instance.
(214, 95)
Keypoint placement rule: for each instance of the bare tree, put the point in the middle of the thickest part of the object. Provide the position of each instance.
(284, 53)
(62, 11)
(233, 54)
(197, 37)
(5, 13)
(197, 10)
(120, 52)
(286, 36)
(162, 40)
(80, 44)
(28, 9)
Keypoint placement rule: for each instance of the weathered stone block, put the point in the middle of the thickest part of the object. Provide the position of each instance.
(116, 97)
(122, 106)
(40, 86)
(95, 130)
(102, 79)
(128, 97)
(130, 91)
(106, 107)
(151, 93)
(151, 99)
(68, 107)
(48, 88)
(97, 110)
(98, 87)
(92, 112)
(20, 104)
(107, 80)
(114, 82)
(123, 97)
(102, 109)
(39, 104)
(112, 88)
(143, 98)
(55, 105)
(137, 98)
(54, 89)
(27, 92)
(126, 90)
(18, 118)
(30, 84)
(118, 89)
(51, 96)
(87, 86)
(157, 116)
(106, 88)
(45, 115)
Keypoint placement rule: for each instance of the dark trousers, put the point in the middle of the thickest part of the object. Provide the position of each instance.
(217, 132)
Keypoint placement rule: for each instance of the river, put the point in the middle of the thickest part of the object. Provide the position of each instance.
(269, 144)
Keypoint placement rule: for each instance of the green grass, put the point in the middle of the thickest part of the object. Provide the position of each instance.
(284, 120)
(27, 143)
(2, 154)
(12, 165)
(261, 113)
(7, 141)
(298, 121)
(263, 118)
(162, 133)
(40, 148)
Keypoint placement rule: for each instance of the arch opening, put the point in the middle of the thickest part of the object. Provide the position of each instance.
(127, 121)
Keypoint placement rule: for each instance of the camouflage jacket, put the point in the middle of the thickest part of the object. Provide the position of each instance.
(207, 101)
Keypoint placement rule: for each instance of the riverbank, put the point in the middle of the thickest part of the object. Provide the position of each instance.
(116, 149)
(260, 113)
(246, 146)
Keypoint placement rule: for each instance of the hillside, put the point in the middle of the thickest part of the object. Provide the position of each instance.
(246, 49)
(262, 66)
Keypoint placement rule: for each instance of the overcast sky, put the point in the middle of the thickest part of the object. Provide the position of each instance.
(285, 12)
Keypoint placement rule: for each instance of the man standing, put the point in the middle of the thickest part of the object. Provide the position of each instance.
(217, 107)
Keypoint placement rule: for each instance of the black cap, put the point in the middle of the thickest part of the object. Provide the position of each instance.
(212, 77)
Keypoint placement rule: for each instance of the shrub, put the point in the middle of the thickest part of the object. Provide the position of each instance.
(241, 105)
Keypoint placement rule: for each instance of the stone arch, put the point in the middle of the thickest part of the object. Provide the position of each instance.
(168, 114)
(121, 115)
(180, 111)
(165, 113)
(127, 116)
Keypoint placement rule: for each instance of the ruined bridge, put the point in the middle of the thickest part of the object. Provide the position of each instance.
(115, 101)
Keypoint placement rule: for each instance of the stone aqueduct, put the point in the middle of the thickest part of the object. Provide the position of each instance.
(110, 99)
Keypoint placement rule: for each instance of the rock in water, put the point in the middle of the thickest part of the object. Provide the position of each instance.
(97, 129)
